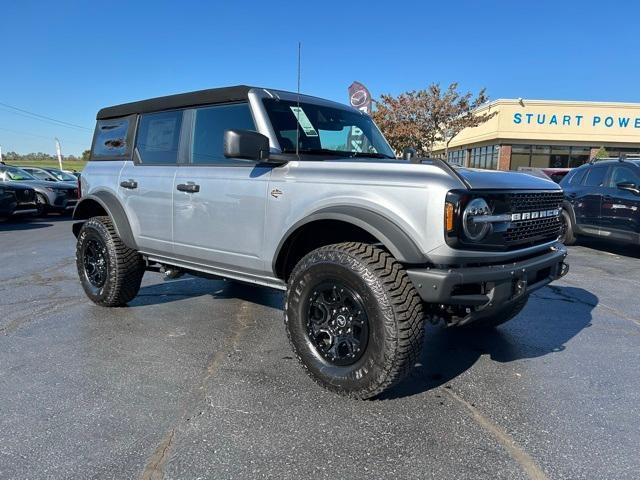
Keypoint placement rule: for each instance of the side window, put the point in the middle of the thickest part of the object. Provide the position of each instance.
(159, 137)
(112, 138)
(595, 177)
(622, 174)
(208, 132)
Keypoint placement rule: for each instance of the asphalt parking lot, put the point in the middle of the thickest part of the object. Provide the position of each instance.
(195, 379)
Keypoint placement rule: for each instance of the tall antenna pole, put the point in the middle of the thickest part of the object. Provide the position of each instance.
(59, 152)
(298, 109)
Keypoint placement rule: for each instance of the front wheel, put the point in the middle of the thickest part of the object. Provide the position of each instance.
(42, 206)
(354, 319)
(110, 272)
(567, 236)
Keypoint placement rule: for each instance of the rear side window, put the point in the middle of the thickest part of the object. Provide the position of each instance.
(113, 138)
(622, 174)
(595, 177)
(159, 137)
(208, 132)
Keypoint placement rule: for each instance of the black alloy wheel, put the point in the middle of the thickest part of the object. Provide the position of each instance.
(337, 323)
(94, 258)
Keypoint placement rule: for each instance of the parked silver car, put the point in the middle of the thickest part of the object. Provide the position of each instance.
(305, 195)
(51, 196)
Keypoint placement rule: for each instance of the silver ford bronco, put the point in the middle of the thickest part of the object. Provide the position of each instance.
(305, 195)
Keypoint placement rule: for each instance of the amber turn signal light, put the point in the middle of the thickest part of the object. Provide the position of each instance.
(449, 213)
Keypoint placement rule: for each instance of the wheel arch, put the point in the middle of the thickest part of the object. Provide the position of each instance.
(357, 224)
(104, 203)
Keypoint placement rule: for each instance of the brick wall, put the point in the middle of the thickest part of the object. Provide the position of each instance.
(504, 160)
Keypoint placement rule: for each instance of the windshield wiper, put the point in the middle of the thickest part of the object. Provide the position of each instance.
(371, 155)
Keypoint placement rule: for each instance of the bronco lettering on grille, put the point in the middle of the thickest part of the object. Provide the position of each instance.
(534, 215)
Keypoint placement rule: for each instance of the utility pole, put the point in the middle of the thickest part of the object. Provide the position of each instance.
(1, 154)
(59, 152)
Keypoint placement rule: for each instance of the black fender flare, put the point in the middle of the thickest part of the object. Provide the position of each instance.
(110, 204)
(390, 234)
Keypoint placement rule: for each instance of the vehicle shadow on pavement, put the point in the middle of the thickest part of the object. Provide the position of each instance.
(189, 287)
(621, 249)
(15, 224)
(553, 316)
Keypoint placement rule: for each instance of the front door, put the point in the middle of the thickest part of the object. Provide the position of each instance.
(621, 208)
(587, 198)
(146, 185)
(219, 203)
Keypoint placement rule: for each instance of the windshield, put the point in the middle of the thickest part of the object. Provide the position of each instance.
(15, 174)
(62, 176)
(325, 130)
(42, 175)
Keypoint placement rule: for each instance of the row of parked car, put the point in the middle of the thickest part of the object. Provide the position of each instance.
(601, 199)
(36, 191)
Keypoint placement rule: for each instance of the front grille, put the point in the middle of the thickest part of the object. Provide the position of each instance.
(528, 202)
(535, 230)
(26, 195)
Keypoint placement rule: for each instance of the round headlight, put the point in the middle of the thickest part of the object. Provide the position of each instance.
(474, 228)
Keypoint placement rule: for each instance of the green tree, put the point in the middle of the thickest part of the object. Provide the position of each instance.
(602, 153)
(85, 155)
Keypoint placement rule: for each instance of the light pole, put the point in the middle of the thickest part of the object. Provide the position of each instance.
(59, 152)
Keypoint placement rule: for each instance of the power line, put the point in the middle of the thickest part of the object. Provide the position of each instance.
(40, 136)
(44, 117)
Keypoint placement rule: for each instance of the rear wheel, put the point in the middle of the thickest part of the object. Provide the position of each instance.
(354, 319)
(109, 271)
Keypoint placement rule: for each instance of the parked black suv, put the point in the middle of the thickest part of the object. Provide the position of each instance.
(602, 199)
(16, 199)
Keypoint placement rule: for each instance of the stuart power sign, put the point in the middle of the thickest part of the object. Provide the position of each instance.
(575, 120)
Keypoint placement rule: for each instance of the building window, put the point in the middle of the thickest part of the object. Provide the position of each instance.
(456, 157)
(484, 157)
(543, 156)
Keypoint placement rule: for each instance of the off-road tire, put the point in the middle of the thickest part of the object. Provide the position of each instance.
(392, 305)
(502, 316)
(567, 237)
(124, 266)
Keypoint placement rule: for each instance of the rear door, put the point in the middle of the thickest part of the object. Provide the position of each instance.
(219, 203)
(621, 208)
(146, 184)
(587, 198)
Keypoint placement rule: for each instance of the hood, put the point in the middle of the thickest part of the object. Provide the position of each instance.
(16, 185)
(40, 184)
(496, 179)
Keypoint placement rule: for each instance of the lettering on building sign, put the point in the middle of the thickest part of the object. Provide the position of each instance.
(561, 120)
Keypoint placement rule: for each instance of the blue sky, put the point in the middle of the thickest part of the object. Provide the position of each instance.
(68, 59)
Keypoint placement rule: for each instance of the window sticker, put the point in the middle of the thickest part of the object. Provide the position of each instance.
(304, 122)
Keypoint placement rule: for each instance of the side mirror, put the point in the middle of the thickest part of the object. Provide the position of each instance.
(629, 186)
(246, 144)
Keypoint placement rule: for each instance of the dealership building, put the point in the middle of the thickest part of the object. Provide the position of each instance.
(546, 133)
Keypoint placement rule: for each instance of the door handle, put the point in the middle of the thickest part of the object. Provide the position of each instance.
(188, 187)
(130, 184)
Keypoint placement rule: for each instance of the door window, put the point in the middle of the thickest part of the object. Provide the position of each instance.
(595, 177)
(159, 137)
(622, 174)
(208, 132)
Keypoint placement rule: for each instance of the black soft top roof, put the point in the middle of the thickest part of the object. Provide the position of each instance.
(201, 97)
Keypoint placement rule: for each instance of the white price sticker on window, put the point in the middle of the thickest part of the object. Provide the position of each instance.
(304, 122)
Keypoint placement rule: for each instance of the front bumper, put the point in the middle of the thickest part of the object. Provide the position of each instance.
(489, 286)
